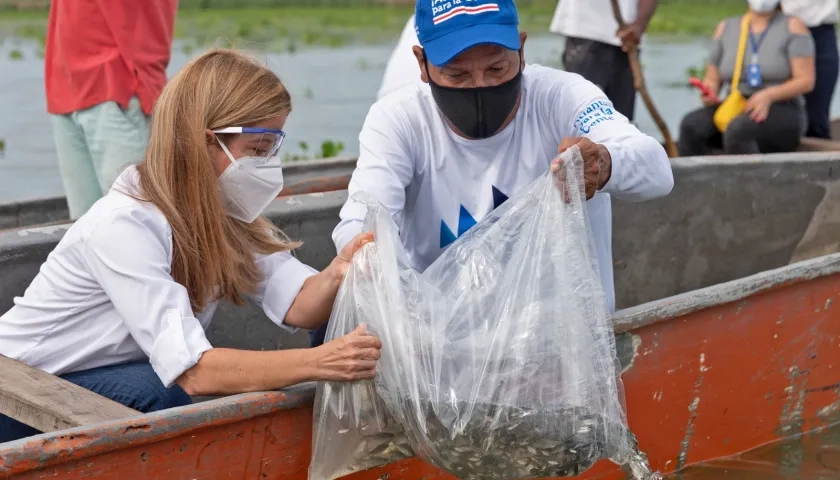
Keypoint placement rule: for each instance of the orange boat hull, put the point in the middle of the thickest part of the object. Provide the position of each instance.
(708, 374)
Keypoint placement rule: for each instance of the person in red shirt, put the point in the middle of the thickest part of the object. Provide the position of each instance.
(105, 66)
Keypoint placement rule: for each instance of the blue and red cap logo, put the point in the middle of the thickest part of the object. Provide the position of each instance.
(446, 28)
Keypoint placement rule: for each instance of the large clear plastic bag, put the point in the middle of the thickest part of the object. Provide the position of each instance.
(498, 361)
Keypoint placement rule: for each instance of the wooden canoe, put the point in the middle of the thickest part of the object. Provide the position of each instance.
(708, 374)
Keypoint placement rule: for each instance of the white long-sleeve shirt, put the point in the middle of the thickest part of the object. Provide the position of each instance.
(437, 184)
(592, 19)
(105, 295)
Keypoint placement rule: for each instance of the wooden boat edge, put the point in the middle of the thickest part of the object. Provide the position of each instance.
(657, 311)
(46, 449)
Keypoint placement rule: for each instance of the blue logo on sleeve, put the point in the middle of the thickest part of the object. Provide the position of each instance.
(466, 220)
(597, 112)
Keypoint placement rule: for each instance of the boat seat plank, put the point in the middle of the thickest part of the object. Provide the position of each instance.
(811, 144)
(49, 403)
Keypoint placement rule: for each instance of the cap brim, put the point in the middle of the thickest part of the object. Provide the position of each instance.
(443, 49)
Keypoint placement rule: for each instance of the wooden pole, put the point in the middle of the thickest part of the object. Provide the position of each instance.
(639, 84)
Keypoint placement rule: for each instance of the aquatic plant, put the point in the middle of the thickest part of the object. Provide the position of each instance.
(329, 149)
(695, 71)
(330, 24)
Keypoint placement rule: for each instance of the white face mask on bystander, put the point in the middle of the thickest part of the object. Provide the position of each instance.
(763, 6)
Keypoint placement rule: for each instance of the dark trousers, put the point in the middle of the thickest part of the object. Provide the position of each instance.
(134, 385)
(604, 65)
(780, 132)
(818, 102)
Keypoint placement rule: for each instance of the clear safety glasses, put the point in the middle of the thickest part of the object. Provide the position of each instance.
(262, 143)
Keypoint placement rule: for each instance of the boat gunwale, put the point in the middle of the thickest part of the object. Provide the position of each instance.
(88, 440)
(658, 311)
(85, 441)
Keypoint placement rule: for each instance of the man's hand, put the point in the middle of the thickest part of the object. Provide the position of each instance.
(630, 35)
(597, 164)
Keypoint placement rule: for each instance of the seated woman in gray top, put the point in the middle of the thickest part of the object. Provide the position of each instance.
(778, 69)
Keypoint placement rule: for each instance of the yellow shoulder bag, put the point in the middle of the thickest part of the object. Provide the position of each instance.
(735, 102)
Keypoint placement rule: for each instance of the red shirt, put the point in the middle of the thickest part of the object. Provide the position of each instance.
(107, 50)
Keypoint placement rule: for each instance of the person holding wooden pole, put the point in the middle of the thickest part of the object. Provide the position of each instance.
(596, 46)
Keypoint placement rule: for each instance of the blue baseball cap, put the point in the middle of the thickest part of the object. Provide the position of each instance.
(446, 28)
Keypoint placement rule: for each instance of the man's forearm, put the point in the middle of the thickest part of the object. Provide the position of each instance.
(639, 169)
(646, 10)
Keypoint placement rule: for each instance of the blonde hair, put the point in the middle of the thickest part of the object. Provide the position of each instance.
(213, 254)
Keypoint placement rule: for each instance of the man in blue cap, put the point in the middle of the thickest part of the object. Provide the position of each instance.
(442, 154)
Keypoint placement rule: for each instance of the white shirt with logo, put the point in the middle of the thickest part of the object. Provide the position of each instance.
(437, 184)
(402, 68)
(592, 19)
(813, 12)
(105, 295)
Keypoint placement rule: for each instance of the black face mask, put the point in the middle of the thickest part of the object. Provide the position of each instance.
(478, 112)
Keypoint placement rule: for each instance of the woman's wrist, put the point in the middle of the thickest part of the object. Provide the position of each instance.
(335, 273)
(311, 364)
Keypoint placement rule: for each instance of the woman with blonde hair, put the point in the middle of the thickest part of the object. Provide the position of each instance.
(121, 305)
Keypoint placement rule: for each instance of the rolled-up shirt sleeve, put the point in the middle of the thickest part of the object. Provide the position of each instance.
(283, 278)
(641, 169)
(129, 254)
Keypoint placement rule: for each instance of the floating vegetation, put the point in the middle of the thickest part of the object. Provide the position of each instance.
(328, 149)
(15, 54)
(356, 22)
(697, 72)
(2, 146)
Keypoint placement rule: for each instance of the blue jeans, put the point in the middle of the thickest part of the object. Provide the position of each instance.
(134, 385)
(316, 337)
(818, 102)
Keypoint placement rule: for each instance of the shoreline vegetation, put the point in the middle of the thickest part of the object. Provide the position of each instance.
(277, 25)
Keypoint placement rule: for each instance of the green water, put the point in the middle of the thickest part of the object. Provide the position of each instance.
(814, 456)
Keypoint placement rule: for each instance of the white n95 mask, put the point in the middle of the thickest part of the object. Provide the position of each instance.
(249, 184)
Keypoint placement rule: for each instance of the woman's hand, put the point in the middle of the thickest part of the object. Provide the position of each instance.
(351, 357)
(342, 262)
(709, 100)
(758, 106)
